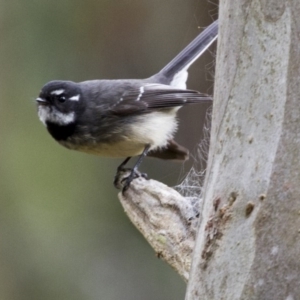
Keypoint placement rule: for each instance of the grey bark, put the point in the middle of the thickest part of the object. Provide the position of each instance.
(167, 220)
(248, 246)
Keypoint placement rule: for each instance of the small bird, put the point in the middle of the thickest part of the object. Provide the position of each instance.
(127, 117)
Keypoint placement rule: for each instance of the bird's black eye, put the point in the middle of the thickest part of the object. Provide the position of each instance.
(60, 98)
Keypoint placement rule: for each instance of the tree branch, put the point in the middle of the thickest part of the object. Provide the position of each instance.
(167, 220)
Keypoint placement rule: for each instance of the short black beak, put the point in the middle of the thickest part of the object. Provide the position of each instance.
(41, 101)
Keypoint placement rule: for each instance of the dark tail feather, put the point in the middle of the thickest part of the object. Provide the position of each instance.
(189, 54)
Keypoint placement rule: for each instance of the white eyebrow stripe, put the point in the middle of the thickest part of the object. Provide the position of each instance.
(58, 92)
(75, 98)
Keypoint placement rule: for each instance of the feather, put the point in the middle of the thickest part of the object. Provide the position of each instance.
(149, 97)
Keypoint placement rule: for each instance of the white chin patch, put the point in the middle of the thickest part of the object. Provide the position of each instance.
(48, 114)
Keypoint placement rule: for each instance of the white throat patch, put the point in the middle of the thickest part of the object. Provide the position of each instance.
(51, 114)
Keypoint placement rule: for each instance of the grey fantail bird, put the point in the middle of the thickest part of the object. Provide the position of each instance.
(128, 117)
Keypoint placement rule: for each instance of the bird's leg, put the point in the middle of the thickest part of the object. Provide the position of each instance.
(134, 171)
(120, 172)
(122, 165)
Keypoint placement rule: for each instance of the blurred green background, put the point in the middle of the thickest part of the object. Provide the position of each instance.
(63, 233)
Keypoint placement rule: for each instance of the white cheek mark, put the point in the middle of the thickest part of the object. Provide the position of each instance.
(142, 90)
(47, 114)
(64, 119)
(75, 98)
(58, 92)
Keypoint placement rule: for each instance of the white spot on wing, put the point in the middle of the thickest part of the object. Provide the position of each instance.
(57, 92)
(120, 100)
(142, 90)
(75, 98)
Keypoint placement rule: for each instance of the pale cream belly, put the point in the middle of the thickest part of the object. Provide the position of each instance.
(118, 150)
(154, 129)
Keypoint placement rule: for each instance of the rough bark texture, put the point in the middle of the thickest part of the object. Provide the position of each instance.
(167, 220)
(248, 243)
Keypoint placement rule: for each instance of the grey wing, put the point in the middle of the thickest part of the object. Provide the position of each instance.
(148, 97)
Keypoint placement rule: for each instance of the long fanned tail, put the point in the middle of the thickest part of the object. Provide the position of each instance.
(191, 52)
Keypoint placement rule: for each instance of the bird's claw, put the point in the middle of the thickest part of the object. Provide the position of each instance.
(123, 179)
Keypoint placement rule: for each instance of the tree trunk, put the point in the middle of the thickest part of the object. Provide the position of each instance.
(248, 242)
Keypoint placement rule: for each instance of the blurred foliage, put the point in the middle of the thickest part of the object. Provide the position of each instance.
(63, 233)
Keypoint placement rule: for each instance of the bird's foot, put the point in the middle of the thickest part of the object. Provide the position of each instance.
(124, 177)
